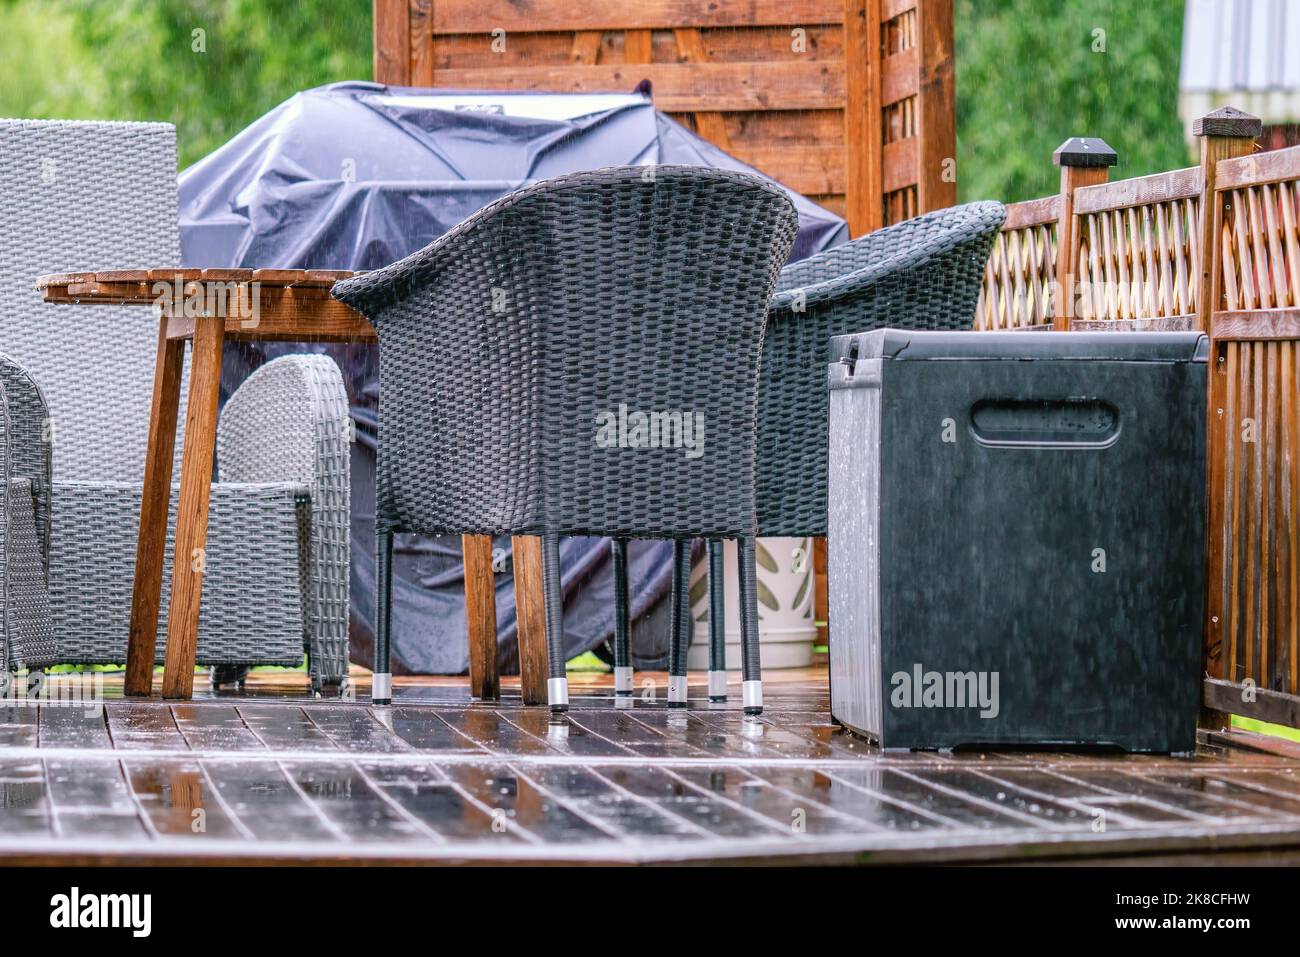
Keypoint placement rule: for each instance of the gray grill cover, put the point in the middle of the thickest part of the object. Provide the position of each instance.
(358, 175)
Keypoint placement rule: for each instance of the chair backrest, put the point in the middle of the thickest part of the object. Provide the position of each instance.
(923, 273)
(581, 357)
(78, 196)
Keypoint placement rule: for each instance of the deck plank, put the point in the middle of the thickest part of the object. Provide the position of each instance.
(344, 798)
(533, 809)
(285, 729)
(24, 805)
(18, 725)
(268, 804)
(179, 800)
(211, 727)
(90, 798)
(144, 726)
(64, 726)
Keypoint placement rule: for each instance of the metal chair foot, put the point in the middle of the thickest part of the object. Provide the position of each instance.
(381, 689)
(557, 693)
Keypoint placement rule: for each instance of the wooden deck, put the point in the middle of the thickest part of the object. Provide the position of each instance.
(273, 776)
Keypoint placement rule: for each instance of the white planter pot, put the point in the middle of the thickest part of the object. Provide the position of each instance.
(786, 631)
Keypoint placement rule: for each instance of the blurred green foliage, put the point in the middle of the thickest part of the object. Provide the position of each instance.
(1027, 73)
(209, 66)
(1031, 73)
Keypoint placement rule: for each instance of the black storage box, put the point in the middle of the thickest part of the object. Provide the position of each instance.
(1017, 538)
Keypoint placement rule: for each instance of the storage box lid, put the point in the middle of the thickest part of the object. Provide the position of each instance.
(906, 345)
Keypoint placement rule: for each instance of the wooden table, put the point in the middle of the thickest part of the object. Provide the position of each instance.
(206, 307)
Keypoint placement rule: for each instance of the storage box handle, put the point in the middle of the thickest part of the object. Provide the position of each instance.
(1071, 422)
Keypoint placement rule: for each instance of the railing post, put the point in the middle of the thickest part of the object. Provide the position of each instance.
(1084, 161)
(1224, 134)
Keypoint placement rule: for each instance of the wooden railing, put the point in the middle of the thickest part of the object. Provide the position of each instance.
(1020, 277)
(1136, 256)
(1214, 247)
(1252, 655)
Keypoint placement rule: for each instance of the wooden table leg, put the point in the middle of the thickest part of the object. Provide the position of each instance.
(531, 617)
(481, 617)
(192, 509)
(152, 537)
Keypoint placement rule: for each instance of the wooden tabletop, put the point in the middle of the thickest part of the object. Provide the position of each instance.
(292, 305)
(136, 286)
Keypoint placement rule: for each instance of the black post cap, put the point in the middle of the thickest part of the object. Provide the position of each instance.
(1084, 151)
(1228, 121)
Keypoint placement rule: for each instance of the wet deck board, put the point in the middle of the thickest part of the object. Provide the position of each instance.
(280, 776)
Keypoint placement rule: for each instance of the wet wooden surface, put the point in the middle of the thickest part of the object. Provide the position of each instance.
(272, 775)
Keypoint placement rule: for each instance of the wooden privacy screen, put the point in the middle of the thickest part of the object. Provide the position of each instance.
(849, 102)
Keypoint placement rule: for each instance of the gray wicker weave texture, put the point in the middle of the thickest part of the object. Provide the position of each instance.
(924, 273)
(103, 195)
(509, 342)
(30, 451)
(289, 422)
(252, 605)
(81, 195)
(27, 636)
(27, 607)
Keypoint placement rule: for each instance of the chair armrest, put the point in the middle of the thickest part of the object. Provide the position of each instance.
(849, 257)
(891, 253)
(289, 422)
(29, 443)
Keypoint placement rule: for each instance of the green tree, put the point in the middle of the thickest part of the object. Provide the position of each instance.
(211, 67)
(1031, 73)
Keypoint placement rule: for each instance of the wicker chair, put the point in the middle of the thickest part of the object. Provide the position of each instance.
(81, 195)
(26, 630)
(924, 273)
(520, 351)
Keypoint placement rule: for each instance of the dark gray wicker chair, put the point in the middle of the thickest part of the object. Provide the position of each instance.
(924, 273)
(521, 351)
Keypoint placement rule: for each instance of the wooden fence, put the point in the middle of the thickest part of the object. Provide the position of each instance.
(849, 102)
(1213, 247)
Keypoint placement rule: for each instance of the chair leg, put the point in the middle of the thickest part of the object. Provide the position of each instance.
(381, 682)
(681, 613)
(530, 613)
(622, 632)
(481, 617)
(717, 624)
(751, 672)
(557, 684)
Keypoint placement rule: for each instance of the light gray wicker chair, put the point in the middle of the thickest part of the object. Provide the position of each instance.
(79, 195)
(27, 634)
